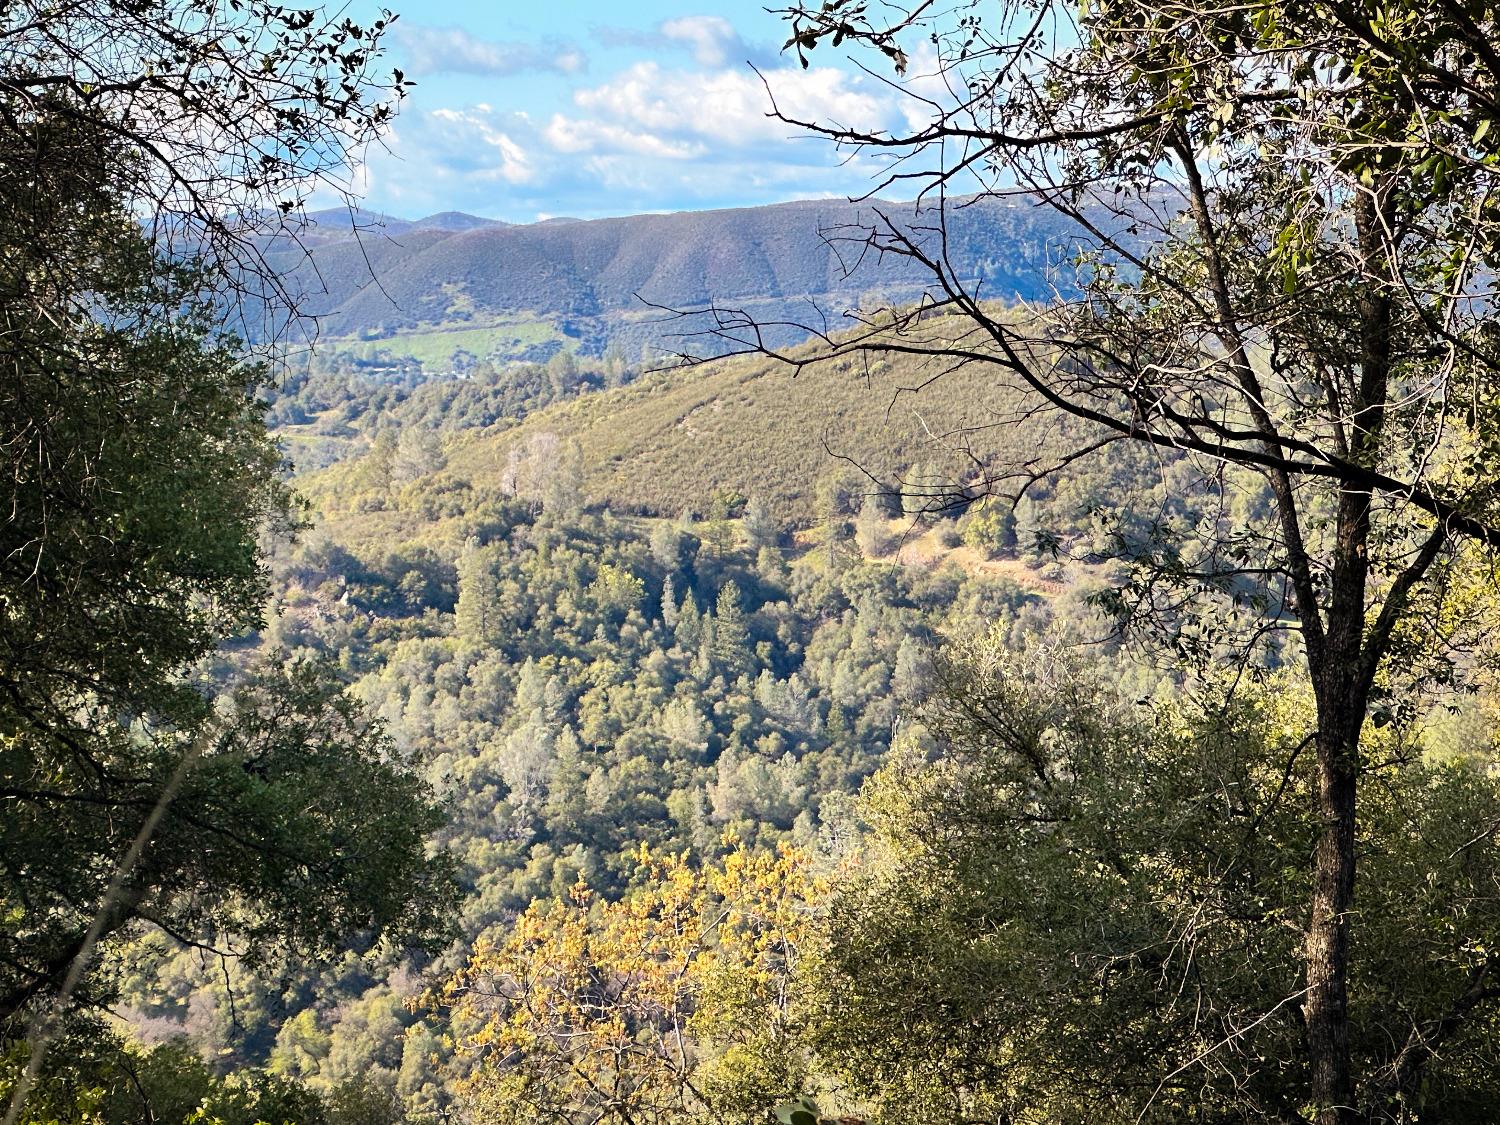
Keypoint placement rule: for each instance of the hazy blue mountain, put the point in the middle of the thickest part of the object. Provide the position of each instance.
(513, 290)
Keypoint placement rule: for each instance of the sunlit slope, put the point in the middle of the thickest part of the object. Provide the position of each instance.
(744, 426)
(751, 428)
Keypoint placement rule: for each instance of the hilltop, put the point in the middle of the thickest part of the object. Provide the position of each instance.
(735, 429)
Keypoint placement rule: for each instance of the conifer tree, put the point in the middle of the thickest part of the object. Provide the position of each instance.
(731, 650)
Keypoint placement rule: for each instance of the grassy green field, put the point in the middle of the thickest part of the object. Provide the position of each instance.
(434, 347)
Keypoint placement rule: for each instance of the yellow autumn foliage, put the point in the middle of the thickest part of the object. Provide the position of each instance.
(671, 1005)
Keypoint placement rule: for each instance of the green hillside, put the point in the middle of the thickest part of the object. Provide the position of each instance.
(748, 428)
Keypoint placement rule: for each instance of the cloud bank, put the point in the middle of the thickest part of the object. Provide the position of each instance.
(687, 127)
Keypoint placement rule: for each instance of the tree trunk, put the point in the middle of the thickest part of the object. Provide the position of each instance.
(1342, 679)
(1343, 673)
(1327, 950)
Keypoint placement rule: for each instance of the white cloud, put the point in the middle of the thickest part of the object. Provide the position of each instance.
(712, 39)
(573, 135)
(649, 137)
(504, 165)
(498, 157)
(466, 159)
(452, 50)
(729, 107)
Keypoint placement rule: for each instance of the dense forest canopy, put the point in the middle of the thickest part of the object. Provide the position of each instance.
(1062, 703)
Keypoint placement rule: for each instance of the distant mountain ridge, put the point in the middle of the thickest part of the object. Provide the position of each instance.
(585, 283)
(334, 224)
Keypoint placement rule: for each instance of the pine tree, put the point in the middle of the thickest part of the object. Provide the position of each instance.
(689, 626)
(731, 633)
(478, 617)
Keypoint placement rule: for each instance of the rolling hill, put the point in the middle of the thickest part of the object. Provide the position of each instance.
(744, 426)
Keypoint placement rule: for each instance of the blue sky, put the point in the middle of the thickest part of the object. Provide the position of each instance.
(523, 112)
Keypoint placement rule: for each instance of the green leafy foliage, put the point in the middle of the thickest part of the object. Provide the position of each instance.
(150, 780)
(575, 683)
(1081, 906)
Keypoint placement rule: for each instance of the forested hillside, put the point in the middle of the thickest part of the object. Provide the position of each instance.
(599, 627)
(672, 440)
(689, 612)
